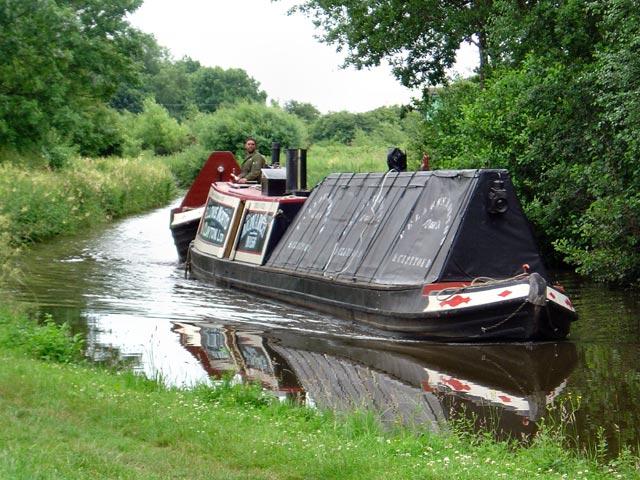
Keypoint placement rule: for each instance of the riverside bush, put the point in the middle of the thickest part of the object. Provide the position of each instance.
(43, 341)
(186, 165)
(153, 129)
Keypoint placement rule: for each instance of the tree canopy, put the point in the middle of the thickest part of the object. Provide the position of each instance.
(419, 38)
(57, 60)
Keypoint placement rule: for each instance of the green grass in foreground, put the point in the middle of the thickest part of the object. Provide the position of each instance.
(71, 420)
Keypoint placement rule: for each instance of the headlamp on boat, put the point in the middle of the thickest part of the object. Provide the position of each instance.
(497, 198)
(220, 170)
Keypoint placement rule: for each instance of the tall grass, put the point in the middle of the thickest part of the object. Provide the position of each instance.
(39, 204)
(323, 159)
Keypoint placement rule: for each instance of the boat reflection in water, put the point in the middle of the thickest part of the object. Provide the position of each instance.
(504, 386)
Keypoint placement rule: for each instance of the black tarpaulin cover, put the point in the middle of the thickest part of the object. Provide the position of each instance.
(408, 228)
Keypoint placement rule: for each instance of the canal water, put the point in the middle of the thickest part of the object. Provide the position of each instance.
(122, 286)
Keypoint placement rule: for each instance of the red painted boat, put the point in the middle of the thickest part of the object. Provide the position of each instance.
(184, 219)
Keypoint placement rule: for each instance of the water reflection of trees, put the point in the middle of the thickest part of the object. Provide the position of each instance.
(606, 394)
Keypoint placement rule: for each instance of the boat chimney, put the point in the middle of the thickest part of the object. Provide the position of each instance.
(297, 171)
(275, 154)
(302, 170)
(292, 170)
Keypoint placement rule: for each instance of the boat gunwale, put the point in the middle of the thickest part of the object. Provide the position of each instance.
(421, 315)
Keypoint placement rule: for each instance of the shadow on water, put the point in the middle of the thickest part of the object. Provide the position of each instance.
(122, 286)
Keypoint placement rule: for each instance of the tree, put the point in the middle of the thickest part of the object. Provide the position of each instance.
(228, 128)
(605, 241)
(418, 37)
(172, 87)
(149, 61)
(305, 111)
(57, 59)
(214, 87)
(338, 127)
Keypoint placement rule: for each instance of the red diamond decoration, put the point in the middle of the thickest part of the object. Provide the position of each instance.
(456, 384)
(552, 295)
(504, 398)
(568, 302)
(505, 293)
(426, 387)
(455, 301)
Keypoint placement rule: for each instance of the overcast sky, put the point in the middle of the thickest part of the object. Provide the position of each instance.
(276, 49)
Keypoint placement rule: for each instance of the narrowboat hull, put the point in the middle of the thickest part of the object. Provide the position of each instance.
(184, 226)
(519, 309)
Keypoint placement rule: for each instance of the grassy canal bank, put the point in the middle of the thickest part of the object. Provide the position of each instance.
(63, 418)
(37, 204)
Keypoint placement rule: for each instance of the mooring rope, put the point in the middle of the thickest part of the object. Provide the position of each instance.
(484, 281)
(502, 322)
(187, 262)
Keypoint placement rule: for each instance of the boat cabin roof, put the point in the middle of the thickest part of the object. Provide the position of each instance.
(410, 228)
(253, 192)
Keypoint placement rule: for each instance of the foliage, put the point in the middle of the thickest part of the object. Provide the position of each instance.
(605, 242)
(567, 134)
(383, 126)
(306, 111)
(214, 87)
(324, 159)
(41, 340)
(154, 129)
(419, 38)
(566, 32)
(37, 205)
(7, 251)
(59, 59)
(228, 128)
(100, 133)
(186, 164)
(185, 87)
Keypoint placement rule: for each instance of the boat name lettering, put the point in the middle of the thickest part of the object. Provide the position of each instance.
(254, 230)
(216, 223)
(411, 260)
(295, 245)
(256, 221)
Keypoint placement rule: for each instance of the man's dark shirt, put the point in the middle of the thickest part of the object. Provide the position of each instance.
(252, 166)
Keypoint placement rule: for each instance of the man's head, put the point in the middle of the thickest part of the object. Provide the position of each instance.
(250, 145)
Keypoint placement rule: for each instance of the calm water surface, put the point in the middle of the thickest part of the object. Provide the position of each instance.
(123, 287)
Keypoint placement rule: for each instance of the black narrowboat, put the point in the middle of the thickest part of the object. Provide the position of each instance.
(446, 255)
